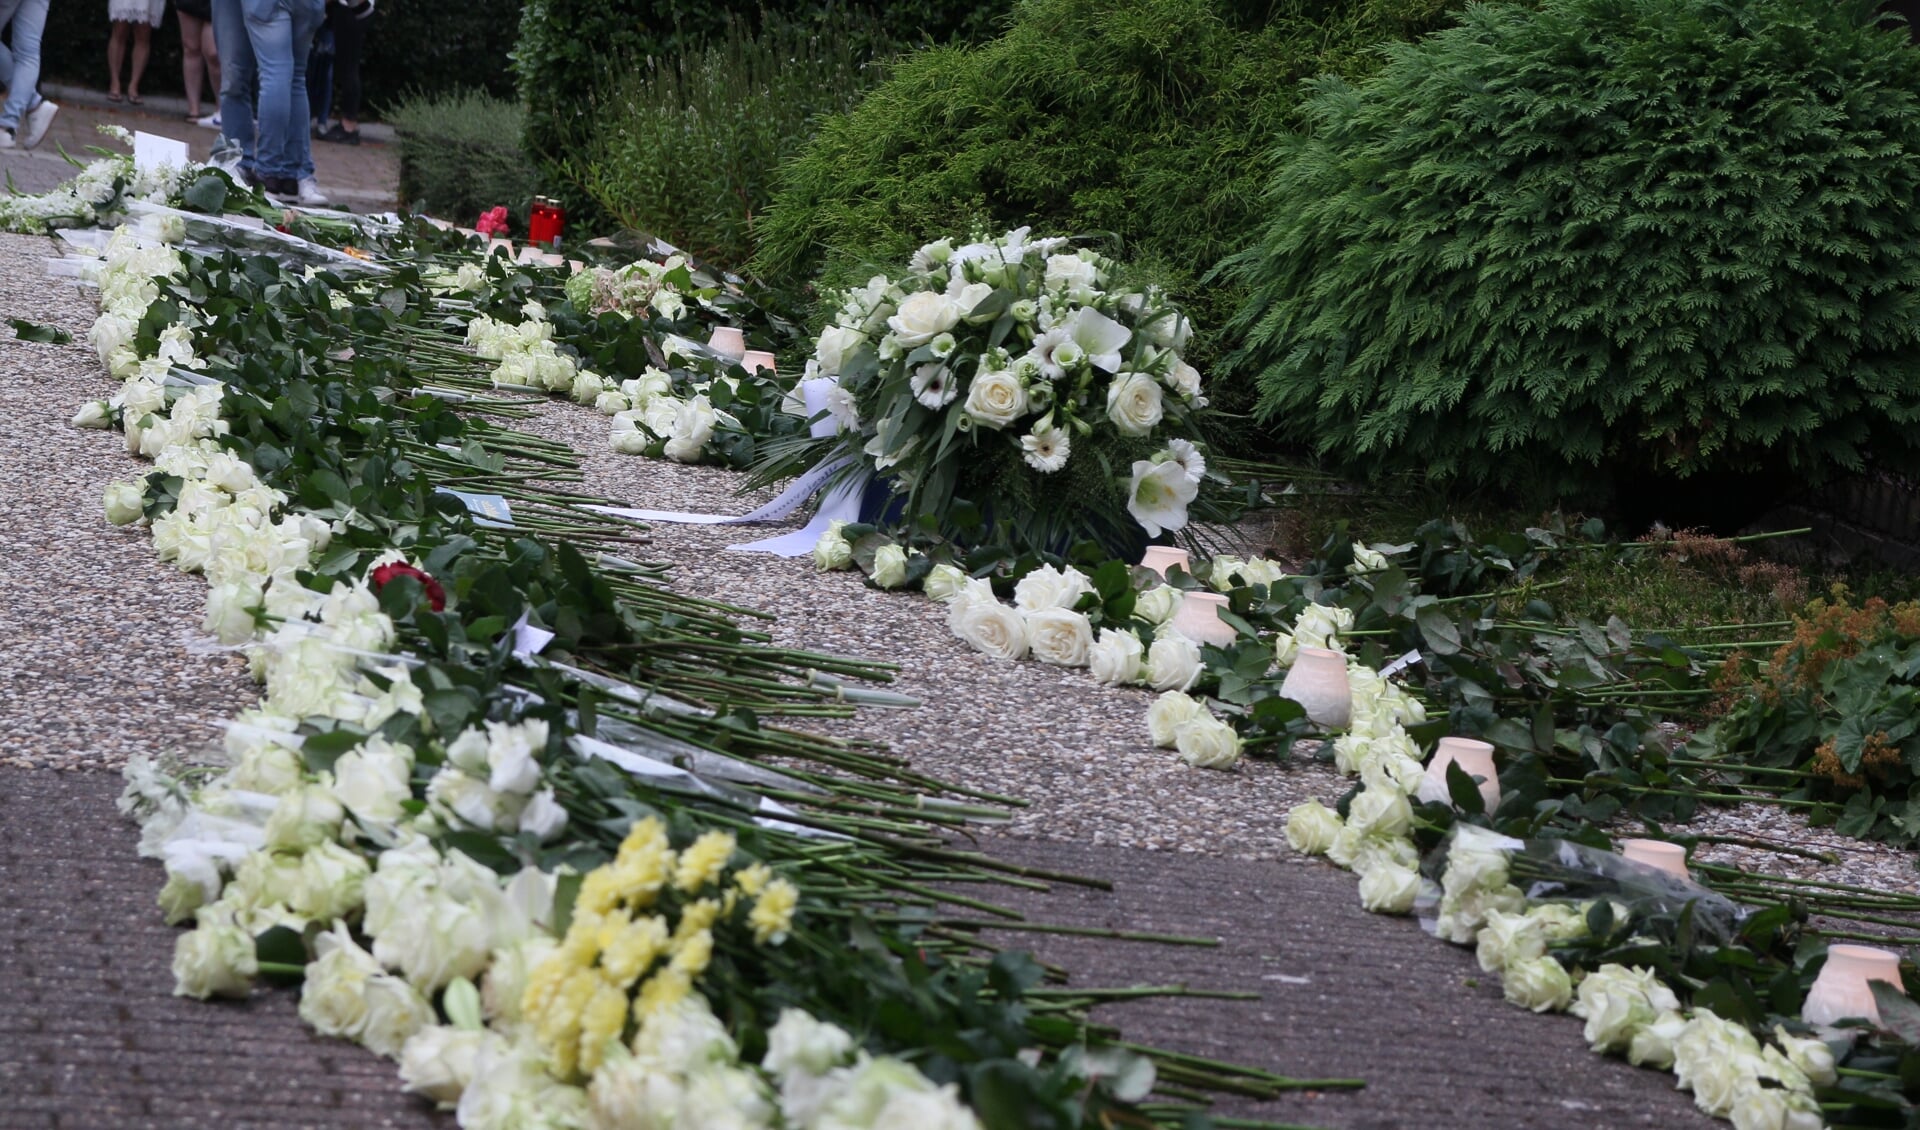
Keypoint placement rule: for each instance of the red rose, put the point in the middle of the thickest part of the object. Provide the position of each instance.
(436, 596)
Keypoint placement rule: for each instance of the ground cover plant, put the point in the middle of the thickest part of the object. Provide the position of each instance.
(1144, 120)
(461, 155)
(1551, 245)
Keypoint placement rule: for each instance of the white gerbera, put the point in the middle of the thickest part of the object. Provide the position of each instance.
(1046, 450)
(1188, 456)
(934, 386)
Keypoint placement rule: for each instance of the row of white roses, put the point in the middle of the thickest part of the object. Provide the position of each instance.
(266, 844)
(97, 191)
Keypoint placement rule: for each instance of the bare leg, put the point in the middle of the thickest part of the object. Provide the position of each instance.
(211, 53)
(192, 67)
(116, 54)
(142, 46)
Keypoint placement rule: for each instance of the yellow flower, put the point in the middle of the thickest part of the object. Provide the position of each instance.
(772, 912)
(634, 950)
(599, 892)
(647, 836)
(558, 1025)
(662, 990)
(751, 880)
(601, 1021)
(692, 956)
(703, 861)
(695, 917)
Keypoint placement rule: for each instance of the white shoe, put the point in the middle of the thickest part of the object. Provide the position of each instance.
(39, 120)
(211, 121)
(310, 193)
(6, 138)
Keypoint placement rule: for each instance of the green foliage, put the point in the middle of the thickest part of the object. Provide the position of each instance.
(415, 49)
(686, 147)
(1655, 235)
(460, 155)
(1141, 118)
(572, 53)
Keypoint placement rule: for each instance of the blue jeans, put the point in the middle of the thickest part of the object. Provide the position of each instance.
(20, 68)
(237, 75)
(281, 32)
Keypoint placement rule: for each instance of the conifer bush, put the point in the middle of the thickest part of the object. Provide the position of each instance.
(1606, 236)
(1141, 119)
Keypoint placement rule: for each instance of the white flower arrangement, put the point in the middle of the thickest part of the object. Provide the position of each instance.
(1011, 356)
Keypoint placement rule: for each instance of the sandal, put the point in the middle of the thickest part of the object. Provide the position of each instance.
(136, 100)
(115, 97)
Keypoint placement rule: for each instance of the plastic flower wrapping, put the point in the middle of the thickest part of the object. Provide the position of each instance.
(1014, 374)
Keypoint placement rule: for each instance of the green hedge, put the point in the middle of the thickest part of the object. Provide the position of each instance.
(460, 154)
(1144, 120)
(686, 149)
(414, 47)
(1610, 237)
(571, 53)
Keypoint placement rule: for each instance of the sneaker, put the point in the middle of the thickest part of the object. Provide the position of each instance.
(280, 190)
(6, 138)
(39, 120)
(309, 192)
(340, 135)
(211, 121)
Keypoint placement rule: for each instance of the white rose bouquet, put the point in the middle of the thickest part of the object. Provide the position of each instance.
(1012, 373)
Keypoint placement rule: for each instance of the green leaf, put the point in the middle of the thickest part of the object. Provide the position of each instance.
(1898, 1012)
(1438, 629)
(32, 331)
(207, 194)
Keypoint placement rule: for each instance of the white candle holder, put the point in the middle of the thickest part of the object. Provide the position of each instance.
(1198, 618)
(1844, 988)
(728, 341)
(1160, 558)
(1318, 681)
(1659, 855)
(1474, 757)
(754, 360)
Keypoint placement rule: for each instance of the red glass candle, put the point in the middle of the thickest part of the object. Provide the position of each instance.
(546, 221)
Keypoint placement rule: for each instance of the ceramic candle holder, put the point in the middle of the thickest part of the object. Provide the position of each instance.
(728, 341)
(1198, 619)
(1318, 681)
(1659, 855)
(1160, 558)
(1844, 987)
(1475, 758)
(755, 360)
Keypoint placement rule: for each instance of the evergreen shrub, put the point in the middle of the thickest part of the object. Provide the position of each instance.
(1663, 237)
(686, 148)
(460, 154)
(1143, 119)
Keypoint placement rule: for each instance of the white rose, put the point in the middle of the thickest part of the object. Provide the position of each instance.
(1366, 560)
(922, 317)
(611, 403)
(395, 1011)
(1116, 658)
(834, 346)
(1207, 743)
(231, 606)
(1168, 713)
(543, 816)
(214, 959)
(1311, 828)
(1389, 889)
(1060, 637)
(989, 626)
(512, 750)
(1540, 984)
(800, 1044)
(832, 552)
(1652, 1046)
(1509, 938)
(1133, 404)
(1070, 272)
(1157, 605)
(1047, 587)
(890, 566)
(1375, 813)
(1364, 853)
(1617, 1002)
(508, 972)
(1473, 869)
(943, 582)
(969, 296)
(1173, 663)
(331, 881)
(1774, 1108)
(333, 996)
(125, 503)
(443, 938)
(692, 428)
(996, 399)
(1185, 380)
(1814, 1058)
(94, 414)
(304, 818)
(438, 1061)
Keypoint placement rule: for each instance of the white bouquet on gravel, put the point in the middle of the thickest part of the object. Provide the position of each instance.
(1015, 374)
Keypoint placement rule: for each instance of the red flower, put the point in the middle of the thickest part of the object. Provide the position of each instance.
(436, 596)
(494, 221)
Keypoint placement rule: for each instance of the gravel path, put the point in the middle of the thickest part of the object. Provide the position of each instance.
(100, 648)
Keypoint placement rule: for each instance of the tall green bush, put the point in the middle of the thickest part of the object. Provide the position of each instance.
(686, 148)
(460, 154)
(1146, 119)
(1670, 236)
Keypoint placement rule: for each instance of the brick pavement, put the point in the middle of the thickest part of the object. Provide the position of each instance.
(360, 178)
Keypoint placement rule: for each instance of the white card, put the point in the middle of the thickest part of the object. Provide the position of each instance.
(150, 151)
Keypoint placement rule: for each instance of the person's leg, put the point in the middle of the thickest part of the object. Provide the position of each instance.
(210, 51)
(192, 67)
(308, 16)
(116, 55)
(320, 78)
(142, 47)
(270, 30)
(349, 38)
(29, 22)
(238, 72)
(6, 56)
